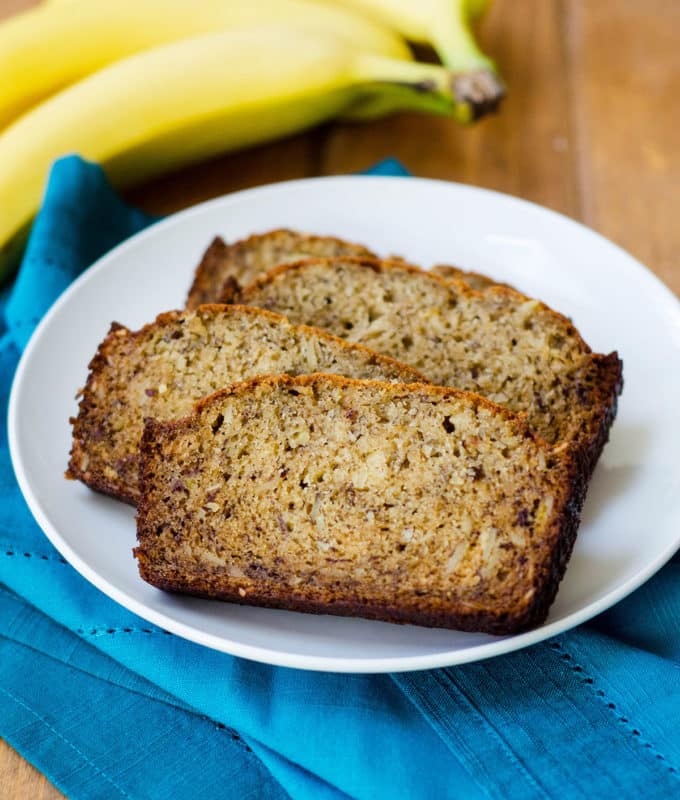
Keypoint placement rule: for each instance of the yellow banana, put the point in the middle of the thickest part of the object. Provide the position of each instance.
(192, 99)
(445, 25)
(52, 46)
(476, 9)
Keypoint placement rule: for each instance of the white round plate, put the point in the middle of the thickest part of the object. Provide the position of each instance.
(631, 521)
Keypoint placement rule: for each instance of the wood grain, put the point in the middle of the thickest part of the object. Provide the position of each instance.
(19, 780)
(295, 157)
(589, 128)
(625, 70)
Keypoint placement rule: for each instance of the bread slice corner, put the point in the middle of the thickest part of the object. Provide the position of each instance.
(225, 268)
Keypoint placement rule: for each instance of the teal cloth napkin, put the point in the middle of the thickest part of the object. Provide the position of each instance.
(108, 705)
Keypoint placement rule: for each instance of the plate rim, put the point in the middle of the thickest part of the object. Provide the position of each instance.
(291, 659)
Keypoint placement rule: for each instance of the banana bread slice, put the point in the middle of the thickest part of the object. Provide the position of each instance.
(226, 266)
(161, 370)
(413, 503)
(475, 280)
(507, 347)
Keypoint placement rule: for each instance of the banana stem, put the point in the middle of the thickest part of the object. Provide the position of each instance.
(476, 82)
(386, 100)
(389, 85)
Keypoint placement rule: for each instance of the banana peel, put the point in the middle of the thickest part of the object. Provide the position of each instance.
(139, 120)
(191, 100)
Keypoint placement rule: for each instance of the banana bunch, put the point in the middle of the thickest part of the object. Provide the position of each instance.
(144, 86)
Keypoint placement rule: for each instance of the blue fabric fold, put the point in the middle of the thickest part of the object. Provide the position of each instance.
(101, 731)
(108, 705)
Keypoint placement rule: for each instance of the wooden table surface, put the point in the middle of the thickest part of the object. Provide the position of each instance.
(590, 128)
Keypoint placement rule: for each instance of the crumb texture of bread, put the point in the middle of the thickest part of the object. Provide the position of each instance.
(507, 347)
(317, 493)
(161, 370)
(226, 267)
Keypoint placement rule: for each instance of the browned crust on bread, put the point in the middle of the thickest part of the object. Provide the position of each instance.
(244, 387)
(93, 476)
(207, 272)
(216, 278)
(608, 387)
(503, 623)
(558, 541)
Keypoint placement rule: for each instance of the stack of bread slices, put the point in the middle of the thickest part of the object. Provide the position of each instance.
(325, 431)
